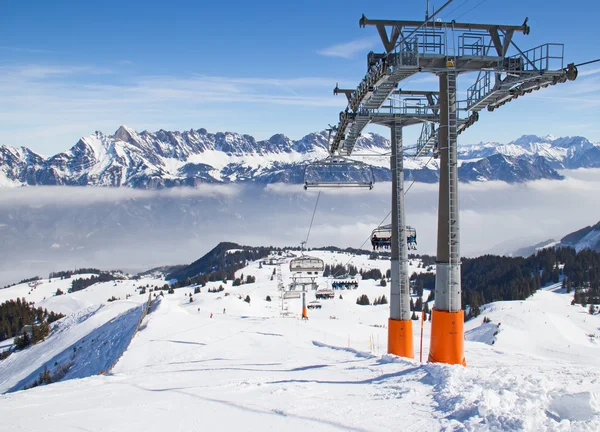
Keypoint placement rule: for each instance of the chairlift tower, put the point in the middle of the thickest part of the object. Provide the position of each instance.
(304, 271)
(401, 109)
(446, 49)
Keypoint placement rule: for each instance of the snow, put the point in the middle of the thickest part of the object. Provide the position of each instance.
(590, 241)
(6, 182)
(88, 342)
(550, 244)
(252, 369)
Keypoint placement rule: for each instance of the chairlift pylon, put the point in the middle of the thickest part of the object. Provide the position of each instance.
(338, 171)
(381, 237)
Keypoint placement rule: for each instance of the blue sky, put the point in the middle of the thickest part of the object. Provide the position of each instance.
(68, 68)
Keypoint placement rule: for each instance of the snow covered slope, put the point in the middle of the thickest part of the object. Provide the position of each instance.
(249, 368)
(85, 343)
(585, 238)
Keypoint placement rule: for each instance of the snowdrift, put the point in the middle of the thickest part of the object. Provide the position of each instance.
(85, 343)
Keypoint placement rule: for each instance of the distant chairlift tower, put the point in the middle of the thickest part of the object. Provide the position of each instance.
(445, 49)
(305, 270)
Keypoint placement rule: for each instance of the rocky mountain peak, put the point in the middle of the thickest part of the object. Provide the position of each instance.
(125, 134)
(528, 139)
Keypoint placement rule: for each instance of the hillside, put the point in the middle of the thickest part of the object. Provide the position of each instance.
(248, 367)
(584, 238)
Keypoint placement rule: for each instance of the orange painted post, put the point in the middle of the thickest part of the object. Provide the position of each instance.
(400, 335)
(447, 319)
(400, 339)
(422, 325)
(304, 310)
(447, 337)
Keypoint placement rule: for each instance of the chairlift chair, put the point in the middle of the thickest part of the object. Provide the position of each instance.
(381, 237)
(338, 171)
(307, 266)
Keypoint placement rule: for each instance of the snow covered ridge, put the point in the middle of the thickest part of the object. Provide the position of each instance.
(585, 238)
(559, 153)
(168, 159)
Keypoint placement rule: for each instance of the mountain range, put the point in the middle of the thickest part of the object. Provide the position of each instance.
(166, 159)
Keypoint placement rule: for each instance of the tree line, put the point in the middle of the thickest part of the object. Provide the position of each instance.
(83, 283)
(15, 314)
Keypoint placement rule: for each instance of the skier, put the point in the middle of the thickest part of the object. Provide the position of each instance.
(211, 314)
(223, 311)
(375, 242)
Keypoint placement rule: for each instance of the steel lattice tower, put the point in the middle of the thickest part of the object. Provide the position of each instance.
(446, 49)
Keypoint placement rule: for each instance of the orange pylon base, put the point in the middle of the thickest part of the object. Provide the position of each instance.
(400, 338)
(304, 313)
(447, 338)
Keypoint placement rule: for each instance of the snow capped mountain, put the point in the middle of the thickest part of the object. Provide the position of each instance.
(560, 153)
(172, 158)
(509, 169)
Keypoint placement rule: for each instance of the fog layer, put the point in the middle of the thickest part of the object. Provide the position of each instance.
(55, 228)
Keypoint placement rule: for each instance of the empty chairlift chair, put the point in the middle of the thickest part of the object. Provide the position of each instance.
(338, 171)
(306, 267)
(381, 237)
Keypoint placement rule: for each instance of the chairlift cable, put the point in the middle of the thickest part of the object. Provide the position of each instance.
(474, 7)
(447, 14)
(313, 218)
(381, 223)
(360, 247)
(405, 38)
(587, 63)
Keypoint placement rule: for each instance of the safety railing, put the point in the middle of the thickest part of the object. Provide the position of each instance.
(545, 57)
(479, 89)
(475, 44)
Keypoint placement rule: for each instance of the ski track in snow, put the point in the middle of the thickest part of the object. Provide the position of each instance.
(251, 369)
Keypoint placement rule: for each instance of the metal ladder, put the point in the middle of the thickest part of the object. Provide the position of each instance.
(398, 170)
(453, 228)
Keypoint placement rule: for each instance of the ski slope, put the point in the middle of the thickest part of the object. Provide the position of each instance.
(252, 369)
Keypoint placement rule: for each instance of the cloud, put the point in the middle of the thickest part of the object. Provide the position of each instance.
(53, 105)
(349, 49)
(110, 223)
(587, 72)
(47, 71)
(73, 196)
(26, 50)
(139, 229)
